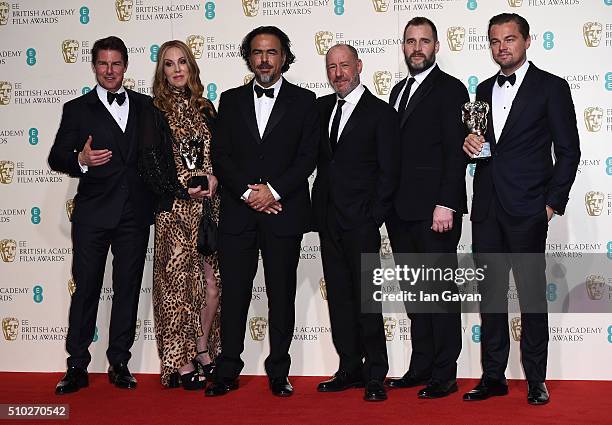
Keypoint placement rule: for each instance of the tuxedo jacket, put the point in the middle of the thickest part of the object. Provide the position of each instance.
(432, 159)
(360, 178)
(284, 157)
(521, 171)
(103, 190)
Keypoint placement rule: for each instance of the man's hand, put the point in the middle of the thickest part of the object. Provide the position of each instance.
(442, 220)
(212, 184)
(472, 145)
(93, 158)
(549, 212)
(260, 197)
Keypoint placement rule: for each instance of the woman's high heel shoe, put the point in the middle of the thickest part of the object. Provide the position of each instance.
(205, 369)
(174, 380)
(191, 381)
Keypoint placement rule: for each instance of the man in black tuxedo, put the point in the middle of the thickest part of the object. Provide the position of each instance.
(430, 201)
(517, 190)
(97, 143)
(264, 150)
(357, 173)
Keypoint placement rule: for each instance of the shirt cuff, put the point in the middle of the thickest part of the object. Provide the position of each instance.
(274, 192)
(447, 208)
(245, 195)
(84, 168)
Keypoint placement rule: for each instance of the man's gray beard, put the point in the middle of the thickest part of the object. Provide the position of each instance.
(264, 79)
(427, 63)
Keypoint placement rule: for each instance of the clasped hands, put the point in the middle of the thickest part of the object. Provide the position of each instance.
(261, 199)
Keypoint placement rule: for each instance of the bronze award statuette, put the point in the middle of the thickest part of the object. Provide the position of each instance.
(192, 152)
(474, 115)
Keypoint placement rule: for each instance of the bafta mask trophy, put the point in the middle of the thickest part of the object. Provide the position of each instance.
(192, 152)
(474, 115)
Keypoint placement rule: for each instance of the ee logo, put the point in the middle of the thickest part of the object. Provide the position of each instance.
(551, 292)
(33, 139)
(84, 12)
(476, 334)
(472, 5)
(549, 40)
(339, 7)
(212, 91)
(209, 8)
(35, 215)
(154, 49)
(31, 56)
(38, 294)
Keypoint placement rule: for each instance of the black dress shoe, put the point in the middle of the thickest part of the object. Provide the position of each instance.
(406, 381)
(74, 379)
(120, 376)
(437, 389)
(537, 394)
(339, 382)
(221, 387)
(375, 391)
(487, 388)
(281, 387)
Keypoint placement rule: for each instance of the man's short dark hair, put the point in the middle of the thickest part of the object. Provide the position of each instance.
(421, 20)
(504, 18)
(245, 48)
(109, 43)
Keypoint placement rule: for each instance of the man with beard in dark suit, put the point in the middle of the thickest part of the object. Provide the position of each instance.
(264, 150)
(430, 202)
(97, 143)
(517, 190)
(357, 173)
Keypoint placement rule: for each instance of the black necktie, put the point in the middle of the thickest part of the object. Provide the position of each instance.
(501, 79)
(119, 97)
(333, 134)
(260, 91)
(405, 96)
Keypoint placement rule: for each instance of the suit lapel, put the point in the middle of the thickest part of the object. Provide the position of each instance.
(247, 106)
(421, 92)
(395, 92)
(359, 114)
(131, 124)
(487, 97)
(521, 100)
(280, 107)
(105, 121)
(329, 108)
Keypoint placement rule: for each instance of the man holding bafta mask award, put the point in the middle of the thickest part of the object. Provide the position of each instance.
(517, 189)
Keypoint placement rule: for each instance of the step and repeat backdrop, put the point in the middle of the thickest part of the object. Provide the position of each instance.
(45, 61)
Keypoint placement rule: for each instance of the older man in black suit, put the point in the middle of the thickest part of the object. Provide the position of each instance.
(97, 142)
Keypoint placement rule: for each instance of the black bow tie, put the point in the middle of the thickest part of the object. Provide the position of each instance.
(501, 79)
(119, 97)
(260, 91)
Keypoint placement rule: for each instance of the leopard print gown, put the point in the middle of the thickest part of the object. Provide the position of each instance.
(179, 284)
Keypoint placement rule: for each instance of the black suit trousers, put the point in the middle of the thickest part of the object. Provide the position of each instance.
(359, 338)
(525, 239)
(238, 261)
(128, 243)
(435, 336)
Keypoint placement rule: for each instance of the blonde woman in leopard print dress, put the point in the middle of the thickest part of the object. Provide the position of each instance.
(186, 285)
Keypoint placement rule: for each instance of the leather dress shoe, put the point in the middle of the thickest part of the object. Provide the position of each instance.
(281, 387)
(437, 389)
(74, 379)
(487, 388)
(221, 387)
(537, 393)
(120, 376)
(375, 391)
(339, 382)
(406, 381)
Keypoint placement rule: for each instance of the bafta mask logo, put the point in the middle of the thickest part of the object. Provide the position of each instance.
(323, 41)
(517, 328)
(593, 118)
(594, 202)
(7, 169)
(69, 208)
(10, 328)
(385, 247)
(390, 325)
(456, 38)
(591, 31)
(71, 286)
(8, 250)
(124, 9)
(250, 7)
(382, 82)
(258, 327)
(595, 285)
(515, 3)
(5, 92)
(381, 5)
(138, 327)
(4, 12)
(248, 78)
(196, 44)
(129, 83)
(323, 288)
(70, 48)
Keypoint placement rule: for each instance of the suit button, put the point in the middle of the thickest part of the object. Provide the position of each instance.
(261, 157)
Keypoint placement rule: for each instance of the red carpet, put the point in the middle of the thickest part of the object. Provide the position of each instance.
(572, 402)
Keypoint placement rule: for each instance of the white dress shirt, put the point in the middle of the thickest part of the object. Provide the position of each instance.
(418, 80)
(351, 101)
(502, 98)
(263, 109)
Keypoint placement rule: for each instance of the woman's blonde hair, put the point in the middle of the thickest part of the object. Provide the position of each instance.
(194, 87)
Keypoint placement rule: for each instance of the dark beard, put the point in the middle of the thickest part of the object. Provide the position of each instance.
(425, 65)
